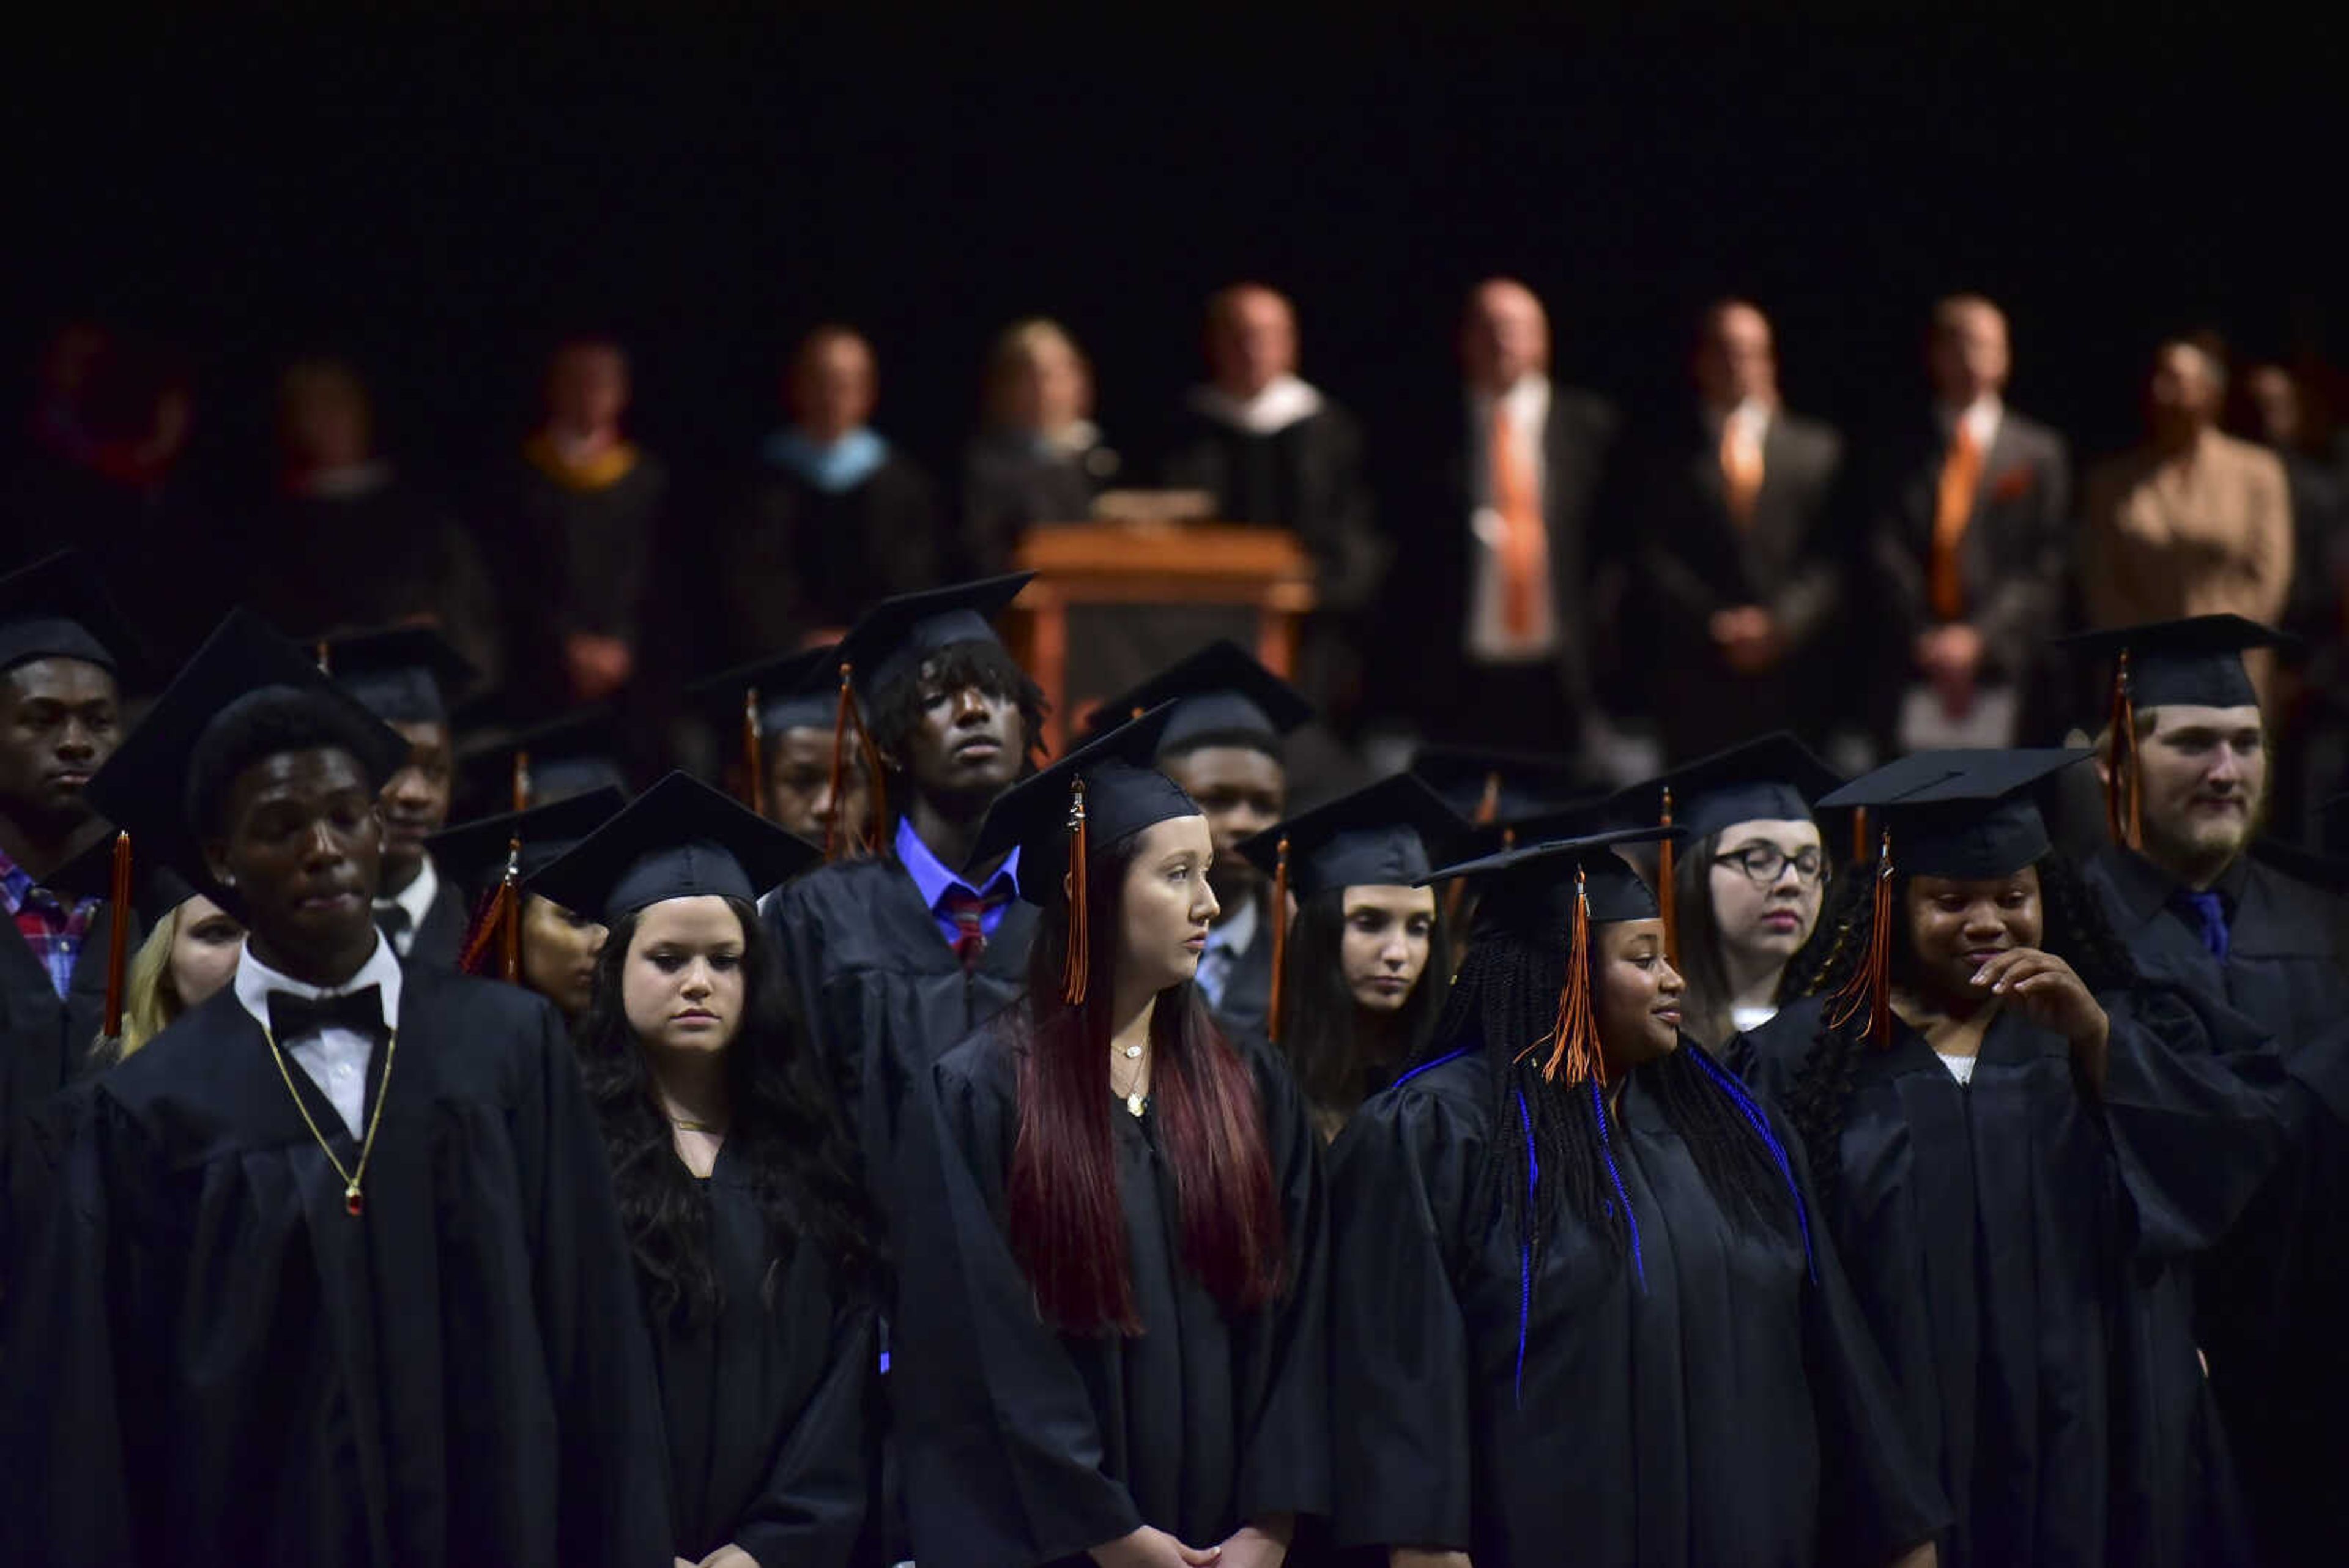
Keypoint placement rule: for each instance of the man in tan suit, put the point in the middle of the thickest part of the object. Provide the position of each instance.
(2193, 522)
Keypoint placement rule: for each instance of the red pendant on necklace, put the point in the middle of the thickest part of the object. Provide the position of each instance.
(353, 1204)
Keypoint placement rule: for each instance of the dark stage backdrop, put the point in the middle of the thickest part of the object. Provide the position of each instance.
(441, 198)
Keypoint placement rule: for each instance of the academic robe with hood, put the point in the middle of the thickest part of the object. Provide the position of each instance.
(1713, 1401)
(221, 1365)
(2024, 1255)
(765, 1401)
(2274, 1294)
(1024, 1446)
(885, 994)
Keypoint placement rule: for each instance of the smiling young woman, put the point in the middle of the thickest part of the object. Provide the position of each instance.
(2021, 1146)
(736, 1181)
(1109, 1340)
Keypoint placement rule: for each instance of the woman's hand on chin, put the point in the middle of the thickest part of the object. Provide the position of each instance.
(2048, 993)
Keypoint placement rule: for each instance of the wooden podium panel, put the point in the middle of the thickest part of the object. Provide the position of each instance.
(1264, 572)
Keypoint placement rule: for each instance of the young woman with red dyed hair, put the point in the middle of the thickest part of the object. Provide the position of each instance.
(1112, 1248)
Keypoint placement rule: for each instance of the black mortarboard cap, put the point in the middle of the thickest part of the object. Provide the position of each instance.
(1775, 778)
(797, 691)
(1966, 815)
(146, 786)
(1220, 695)
(1123, 794)
(473, 854)
(894, 637)
(1498, 785)
(59, 607)
(1530, 889)
(401, 674)
(679, 839)
(2196, 662)
(1390, 835)
(571, 754)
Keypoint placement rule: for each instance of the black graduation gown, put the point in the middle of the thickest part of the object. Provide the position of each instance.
(886, 995)
(222, 1366)
(2022, 1256)
(2273, 1295)
(44, 1044)
(798, 559)
(1248, 994)
(765, 1401)
(441, 936)
(1731, 1411)
(1025, 1447)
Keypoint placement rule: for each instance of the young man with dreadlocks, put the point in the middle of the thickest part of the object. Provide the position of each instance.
(1581, 1306)
(2021, 1148)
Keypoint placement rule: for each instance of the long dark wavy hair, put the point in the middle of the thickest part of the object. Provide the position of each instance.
(2072, 927)
(1066, 1225)
(1553, 1146)
(1322, 1027)
(785, 1131)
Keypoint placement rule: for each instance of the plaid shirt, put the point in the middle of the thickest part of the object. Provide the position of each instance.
(52, 931)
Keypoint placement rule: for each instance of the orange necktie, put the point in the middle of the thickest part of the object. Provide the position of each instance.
(1953, 509)
(1741, 473)
(1523, 546)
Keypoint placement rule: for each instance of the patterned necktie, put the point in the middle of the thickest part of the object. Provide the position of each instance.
(1953, 509)
(2211, 910)
(968, 910)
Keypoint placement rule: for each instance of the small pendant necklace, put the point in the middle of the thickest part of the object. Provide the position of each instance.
(354, 1200)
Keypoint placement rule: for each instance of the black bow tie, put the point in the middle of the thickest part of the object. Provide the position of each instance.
(292, 1017)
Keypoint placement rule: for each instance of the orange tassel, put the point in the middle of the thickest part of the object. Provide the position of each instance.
(1574, 1038)
(1869, 992)
(843, 718)
(1079, 963)
(522, 790)
(499, 921)
(1860, 836)
(2124, 790)
(1488, 810)
(118, 937)
(1279, 939)
(325, 656)
(846, 718)
(754, 770)
(1667, 895)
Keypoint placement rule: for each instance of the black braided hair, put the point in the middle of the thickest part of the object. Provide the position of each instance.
(2074, 927)
(1504, 1000)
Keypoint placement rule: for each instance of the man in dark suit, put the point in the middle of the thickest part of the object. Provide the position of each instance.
(1273, 449)
(1967, 543)
(1743, 557)
(1494, 564)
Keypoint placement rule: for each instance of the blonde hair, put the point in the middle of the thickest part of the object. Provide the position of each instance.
(1016, 347)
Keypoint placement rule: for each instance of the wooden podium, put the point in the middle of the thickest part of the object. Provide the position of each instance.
(1140, 564)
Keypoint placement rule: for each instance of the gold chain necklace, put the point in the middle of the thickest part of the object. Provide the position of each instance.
(354, 1203)
(1135, 1094)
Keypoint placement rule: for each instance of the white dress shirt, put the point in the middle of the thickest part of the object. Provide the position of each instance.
(1526, 408)
(1962, 1068)
(417, 899)
(1979, 417)
(1747, 424)
(335, 1059)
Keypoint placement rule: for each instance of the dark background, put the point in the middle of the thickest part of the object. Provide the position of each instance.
(441, 198)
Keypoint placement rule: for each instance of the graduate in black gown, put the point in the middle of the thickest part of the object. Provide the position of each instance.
(785, 710)
(65, 651)
(2200, 901)
(1583, 1307)
(2021, 1148)
(408, 676)
(1224, 746)
(1363, 970)
(335, 1275)
(899, 953)
(736, 1182)
(1112, 1252)
(517, 934)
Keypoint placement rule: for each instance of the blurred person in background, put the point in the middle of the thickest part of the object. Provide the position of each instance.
(836, 518)
(1274, 451)
(339, 501)
(1969, 534)
(1040, 458)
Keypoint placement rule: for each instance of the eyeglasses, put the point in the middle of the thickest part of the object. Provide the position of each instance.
(1763, 863)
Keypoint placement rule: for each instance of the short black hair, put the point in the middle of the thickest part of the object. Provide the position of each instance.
(895, 710)
(268, 722)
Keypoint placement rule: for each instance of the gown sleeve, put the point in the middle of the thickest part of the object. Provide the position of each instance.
(1401, 1177)
(1878, 1499)
(1285, 1446)
(2197, 1105)
(809, 1511)
(613, 1474)
(1003, 1454)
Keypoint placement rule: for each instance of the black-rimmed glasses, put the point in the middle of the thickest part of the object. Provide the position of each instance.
(1763, 863)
